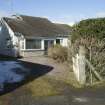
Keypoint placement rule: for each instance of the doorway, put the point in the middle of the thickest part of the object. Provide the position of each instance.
(57, 41)
(48, 44)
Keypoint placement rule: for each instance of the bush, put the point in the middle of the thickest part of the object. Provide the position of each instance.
(90, 33)
(57, 52)
(93, 28)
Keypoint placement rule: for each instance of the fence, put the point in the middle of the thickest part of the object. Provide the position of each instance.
(79, 64)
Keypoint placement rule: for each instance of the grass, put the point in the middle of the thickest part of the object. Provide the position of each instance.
(71, 80)
(37, 88)
(42, 87)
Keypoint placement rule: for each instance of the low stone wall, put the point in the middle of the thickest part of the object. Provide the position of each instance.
(31, 53)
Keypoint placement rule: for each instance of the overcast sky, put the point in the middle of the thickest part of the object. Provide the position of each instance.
(64, 11)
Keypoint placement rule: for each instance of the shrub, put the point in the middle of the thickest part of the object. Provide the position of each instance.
(57, 52)
(90, 33)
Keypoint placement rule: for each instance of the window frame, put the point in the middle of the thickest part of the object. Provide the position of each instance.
(33, 48)
(60, 41)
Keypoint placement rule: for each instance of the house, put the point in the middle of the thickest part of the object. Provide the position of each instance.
(30, 36)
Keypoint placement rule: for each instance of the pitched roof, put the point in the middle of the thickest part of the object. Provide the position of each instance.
(35, 26)
(64, 27)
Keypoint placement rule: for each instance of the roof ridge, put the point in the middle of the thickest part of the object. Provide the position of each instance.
(36, 26)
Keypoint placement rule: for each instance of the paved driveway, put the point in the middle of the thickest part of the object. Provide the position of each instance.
(59, 70)
(70, 96)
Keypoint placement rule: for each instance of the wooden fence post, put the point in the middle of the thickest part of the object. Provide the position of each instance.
(82, 65)
(79, 66)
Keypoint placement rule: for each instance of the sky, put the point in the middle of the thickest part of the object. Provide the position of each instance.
(62, 11)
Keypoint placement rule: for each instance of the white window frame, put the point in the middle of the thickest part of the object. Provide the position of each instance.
(33, 49)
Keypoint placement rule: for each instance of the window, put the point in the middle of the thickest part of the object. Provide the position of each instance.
(33, 44)
(59, 41)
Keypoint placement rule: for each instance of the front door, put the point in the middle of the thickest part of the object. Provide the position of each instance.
(48, 44)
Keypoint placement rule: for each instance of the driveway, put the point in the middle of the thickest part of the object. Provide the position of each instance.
(60, 71)
(70, 95)
(27, 91)
(14, 73)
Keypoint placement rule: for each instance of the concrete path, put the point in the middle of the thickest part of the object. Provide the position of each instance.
(60, 71)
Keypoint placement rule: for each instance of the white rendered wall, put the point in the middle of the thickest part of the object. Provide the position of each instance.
(11, 34)
(64, 42)
(42, 44)
(6, 33)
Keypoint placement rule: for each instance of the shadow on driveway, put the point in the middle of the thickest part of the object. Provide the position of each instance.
(28, 70)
